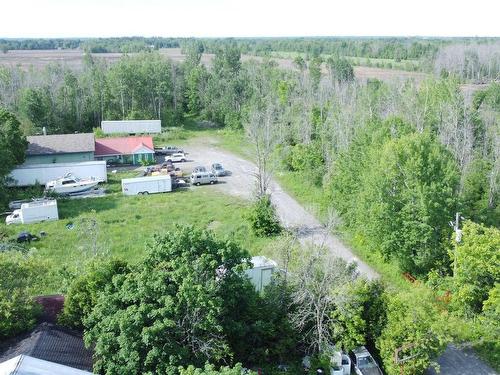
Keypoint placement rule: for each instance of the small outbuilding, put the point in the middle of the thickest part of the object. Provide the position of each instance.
(131, 127)
(261, 273)
(125, 150)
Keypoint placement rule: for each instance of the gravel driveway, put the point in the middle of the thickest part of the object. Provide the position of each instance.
(241, 183)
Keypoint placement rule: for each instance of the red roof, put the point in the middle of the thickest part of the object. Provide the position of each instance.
(122, 145)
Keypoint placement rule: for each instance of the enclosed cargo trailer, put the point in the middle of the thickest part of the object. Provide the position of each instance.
(146, 185)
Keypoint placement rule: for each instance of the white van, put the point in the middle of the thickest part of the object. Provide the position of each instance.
(200, 178)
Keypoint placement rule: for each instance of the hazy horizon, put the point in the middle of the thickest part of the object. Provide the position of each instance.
(244, 19)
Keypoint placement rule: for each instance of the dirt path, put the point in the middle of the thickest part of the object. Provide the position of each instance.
(241, 183)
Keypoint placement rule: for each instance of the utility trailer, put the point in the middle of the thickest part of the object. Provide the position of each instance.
(147, 185)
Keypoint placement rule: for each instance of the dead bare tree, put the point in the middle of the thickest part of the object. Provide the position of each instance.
(318, 286)
(263, 134)
(89, 231)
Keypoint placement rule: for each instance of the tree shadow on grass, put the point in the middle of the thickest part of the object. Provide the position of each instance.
(72, 208)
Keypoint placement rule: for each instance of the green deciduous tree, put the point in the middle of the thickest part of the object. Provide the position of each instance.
(19, 274)
(477, 268)
(84, 290)
(360, 317)
(409, 194)
(414, 334)
(211, 370)
(181, 306)
(12, 146)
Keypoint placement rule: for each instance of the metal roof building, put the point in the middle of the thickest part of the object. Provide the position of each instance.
(60, 148)
(52, 343)
(131, 127)
(26, 365)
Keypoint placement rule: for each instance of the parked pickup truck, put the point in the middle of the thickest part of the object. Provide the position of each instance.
(168, 150)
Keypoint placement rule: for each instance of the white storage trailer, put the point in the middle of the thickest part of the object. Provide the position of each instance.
(261, 273)
(34, 212)
(146, 185)
(131, 126)
(26, 175)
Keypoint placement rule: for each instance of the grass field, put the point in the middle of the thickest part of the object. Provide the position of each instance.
(126, 224)
(408, 65)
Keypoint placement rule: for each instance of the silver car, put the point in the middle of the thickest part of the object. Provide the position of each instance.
(218, 170)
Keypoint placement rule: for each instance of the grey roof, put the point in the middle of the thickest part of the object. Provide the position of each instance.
(52, 343)
(60, 144)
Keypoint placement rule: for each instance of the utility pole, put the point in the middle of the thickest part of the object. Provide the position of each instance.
(458, 238)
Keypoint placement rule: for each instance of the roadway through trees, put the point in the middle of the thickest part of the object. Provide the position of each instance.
(241, 182)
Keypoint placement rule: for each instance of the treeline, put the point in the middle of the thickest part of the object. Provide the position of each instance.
(39, 43)
(386, 48)
(479, 62)
(94, 45)
(128, 44)
(144, 86)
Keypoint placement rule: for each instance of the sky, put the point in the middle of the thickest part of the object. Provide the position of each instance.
(248, 18)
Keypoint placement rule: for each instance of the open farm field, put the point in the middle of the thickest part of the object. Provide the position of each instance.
(38, 59)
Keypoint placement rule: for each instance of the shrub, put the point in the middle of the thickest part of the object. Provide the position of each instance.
(263, 218)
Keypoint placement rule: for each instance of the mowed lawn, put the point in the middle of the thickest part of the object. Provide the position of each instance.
(125, 224)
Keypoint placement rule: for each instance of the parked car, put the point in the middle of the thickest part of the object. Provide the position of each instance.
(177, 157)
(201, 178)
(168, 150)
(218, 170)
(364, 364)
(200, 169)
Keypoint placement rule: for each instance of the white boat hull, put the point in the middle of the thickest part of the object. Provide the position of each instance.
(74, 188)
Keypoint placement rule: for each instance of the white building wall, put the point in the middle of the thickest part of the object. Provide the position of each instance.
(131, 126)
(26, 175)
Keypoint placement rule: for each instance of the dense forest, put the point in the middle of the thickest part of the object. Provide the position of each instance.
(390, 163)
